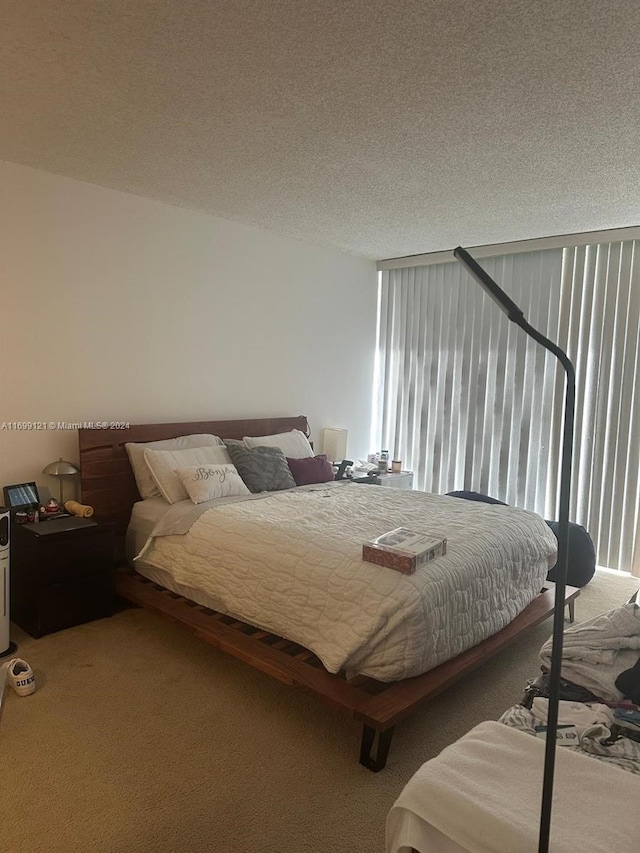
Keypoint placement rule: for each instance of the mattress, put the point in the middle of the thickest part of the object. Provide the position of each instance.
(144, 517)
(291, 562)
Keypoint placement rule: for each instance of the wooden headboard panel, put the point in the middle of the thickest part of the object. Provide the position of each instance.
(106, 477)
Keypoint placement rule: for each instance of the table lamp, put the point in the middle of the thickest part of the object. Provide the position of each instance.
(61, 469)
(334, 444)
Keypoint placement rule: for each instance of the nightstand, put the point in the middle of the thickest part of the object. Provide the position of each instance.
(394, 480)
(60, 578)
(397, 480)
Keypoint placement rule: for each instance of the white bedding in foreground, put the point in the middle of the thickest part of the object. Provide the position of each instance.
(483, 794)
(291, 562)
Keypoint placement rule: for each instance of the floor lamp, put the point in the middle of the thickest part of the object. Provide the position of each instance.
(516, 316)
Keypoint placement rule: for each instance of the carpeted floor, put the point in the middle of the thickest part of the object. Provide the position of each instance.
(141, 737)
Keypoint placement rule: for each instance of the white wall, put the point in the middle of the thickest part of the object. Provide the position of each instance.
(118, 308)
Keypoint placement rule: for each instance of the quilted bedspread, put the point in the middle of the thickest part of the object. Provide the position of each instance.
(291, 562)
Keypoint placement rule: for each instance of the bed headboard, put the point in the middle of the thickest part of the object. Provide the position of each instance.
(106, 478)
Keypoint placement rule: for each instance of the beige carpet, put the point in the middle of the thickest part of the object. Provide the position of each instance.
(141, 737)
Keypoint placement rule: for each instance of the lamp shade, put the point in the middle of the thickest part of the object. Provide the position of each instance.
(60, 468)
(334, 443)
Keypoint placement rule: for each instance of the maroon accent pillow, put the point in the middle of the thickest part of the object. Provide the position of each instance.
(313, 469)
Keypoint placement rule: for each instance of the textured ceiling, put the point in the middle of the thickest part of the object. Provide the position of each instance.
(380, 127)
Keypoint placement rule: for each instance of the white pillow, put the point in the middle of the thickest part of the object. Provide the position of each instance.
(135, 450)
(205, 482)
(293, 444)
(163, 463)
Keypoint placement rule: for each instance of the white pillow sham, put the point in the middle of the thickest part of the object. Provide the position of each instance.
(135, 450)
(205, 482)
(163, 464)
(293, 444)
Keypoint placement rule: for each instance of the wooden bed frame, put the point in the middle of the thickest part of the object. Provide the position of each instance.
(109, 486)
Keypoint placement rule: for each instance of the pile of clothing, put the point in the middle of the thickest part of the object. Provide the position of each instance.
(599, 710)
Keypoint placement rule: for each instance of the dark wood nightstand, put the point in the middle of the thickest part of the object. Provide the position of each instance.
(60, 578)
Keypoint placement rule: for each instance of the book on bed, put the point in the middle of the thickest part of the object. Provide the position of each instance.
(404, 550)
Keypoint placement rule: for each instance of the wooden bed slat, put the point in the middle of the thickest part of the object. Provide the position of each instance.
(378, 705)
(245, 647)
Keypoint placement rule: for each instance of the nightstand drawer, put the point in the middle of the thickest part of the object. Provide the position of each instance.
(74, 557)
(60, 557)
(63, 605)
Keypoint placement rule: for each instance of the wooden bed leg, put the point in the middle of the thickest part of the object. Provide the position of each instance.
(572, 610)
(366, 748)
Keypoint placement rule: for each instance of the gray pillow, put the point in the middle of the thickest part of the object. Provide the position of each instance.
(263, 469)
(237, 442)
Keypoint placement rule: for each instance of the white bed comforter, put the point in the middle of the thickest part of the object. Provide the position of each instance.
(291, 562)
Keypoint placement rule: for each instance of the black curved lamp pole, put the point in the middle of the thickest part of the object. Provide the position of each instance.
(516, 316)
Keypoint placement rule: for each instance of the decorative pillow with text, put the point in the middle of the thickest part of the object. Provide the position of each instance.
(147, 486)
(206, 482)
(163, 465)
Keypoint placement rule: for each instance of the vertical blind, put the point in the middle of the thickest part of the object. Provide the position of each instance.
(600, 322)
(468, 401)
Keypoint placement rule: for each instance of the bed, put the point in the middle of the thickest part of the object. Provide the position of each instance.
(266, 605)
